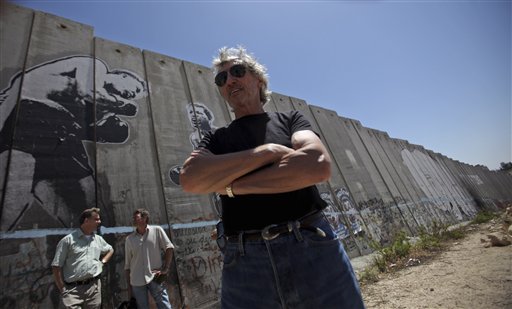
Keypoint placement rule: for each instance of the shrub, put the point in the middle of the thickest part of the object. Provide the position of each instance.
(483, 216)
(454, 234)
(369, 274)
(399, 248)
(427, 240)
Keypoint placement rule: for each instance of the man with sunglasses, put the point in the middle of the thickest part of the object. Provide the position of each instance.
(280, 251)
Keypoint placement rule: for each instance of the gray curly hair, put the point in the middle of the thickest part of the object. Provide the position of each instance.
(240, 55)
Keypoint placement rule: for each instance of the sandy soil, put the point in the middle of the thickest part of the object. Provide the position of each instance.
(466, 275)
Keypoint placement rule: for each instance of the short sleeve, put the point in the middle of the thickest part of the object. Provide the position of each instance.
(165, 242)
(298, 122)
(61, 252)
(105, 246)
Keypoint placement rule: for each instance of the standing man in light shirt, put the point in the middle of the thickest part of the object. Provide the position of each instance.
(143, 262)
(77, 265)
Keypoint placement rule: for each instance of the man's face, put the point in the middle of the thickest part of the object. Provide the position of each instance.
(139, 220)
(93, 222)
(240, 92)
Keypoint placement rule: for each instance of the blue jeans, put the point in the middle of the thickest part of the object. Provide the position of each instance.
(158, 291)
(296, 270)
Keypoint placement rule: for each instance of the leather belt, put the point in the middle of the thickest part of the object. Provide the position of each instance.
(274, 230)
(82, 282)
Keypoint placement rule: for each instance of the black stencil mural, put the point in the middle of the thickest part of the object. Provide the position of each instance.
(201, 120)
(174, 174)
(51, 134)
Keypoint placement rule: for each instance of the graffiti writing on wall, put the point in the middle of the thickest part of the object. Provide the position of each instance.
(199, 264)
(65, 106)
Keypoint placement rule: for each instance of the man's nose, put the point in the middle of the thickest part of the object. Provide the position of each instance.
(231, 79)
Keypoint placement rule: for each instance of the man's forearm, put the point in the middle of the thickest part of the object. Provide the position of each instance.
(107, 257)
(204, 172)
(308, 164)
(303, 168)
(57, 276)
(167, 259)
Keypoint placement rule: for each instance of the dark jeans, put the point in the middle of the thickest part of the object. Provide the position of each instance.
(296, 270)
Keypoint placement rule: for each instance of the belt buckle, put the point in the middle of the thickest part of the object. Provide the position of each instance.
(265, 233)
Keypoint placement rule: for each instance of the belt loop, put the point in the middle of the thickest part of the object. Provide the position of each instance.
(241, 243)
(295, 226)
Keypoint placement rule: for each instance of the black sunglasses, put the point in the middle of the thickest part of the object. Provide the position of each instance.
(238, 70)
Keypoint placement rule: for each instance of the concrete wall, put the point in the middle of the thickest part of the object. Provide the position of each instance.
(89, 122)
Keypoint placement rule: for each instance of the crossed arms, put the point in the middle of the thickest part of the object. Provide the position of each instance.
(288, 169)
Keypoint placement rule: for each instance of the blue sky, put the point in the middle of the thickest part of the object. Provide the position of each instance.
(436, 73)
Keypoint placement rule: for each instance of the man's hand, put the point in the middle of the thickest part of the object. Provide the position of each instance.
(279, 150)
(201, 152)
(159, 272)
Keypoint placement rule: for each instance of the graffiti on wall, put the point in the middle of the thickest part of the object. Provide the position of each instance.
(349, 209)
(65, 106)
(25, 268)
(334, 216)
(345, 221)
(199, 264)
(201, 120)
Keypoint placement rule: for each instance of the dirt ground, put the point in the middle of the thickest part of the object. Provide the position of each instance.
(466, 275)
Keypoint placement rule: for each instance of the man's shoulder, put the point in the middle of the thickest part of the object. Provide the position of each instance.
(286, 114)
(69, 238)
(156, 228)
(73, 235)
(217, 131)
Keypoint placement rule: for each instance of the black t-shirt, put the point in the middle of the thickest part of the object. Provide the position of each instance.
(255, 211)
